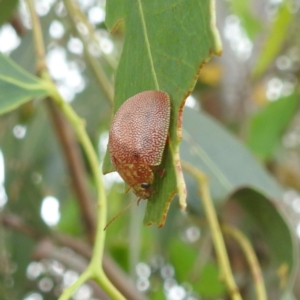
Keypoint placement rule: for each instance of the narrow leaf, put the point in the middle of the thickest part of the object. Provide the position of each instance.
(267, 127)
(165, 45)
(267, 221)
(226, 161)
(17, 86)
(275, 40)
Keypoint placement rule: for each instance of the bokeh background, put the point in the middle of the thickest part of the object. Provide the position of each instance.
(243, 115)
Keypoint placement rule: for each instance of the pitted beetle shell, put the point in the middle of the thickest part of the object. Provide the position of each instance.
(137, 139)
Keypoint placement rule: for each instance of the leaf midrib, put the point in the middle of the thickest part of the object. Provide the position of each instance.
(11, 80)
(148, 47)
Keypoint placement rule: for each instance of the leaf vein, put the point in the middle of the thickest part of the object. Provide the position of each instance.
(21, 84)
(148, 47)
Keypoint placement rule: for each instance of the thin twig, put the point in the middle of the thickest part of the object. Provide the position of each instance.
(41, 65)
(251, 258)
(17, 24)
(77, 16)
(117, 276)
(76, 169)
(82, 18)
(18, 224)
(114, 273)
(214, 225)
(46, 249)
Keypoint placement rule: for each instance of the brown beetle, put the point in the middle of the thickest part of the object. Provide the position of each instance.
(137, 139)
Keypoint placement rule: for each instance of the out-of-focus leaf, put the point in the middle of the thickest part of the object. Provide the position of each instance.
(271, 227)
(33, 167)
(275, 40)
(158, 294)
(16, 85)
(227, 163)
(20, 250)
(70, 214)
(209, 284)
(229, 166)
(6, 9)
(242, 9)
(165, 45)
(188, 256)
(120, 253)
(207, 280)
(267, 126)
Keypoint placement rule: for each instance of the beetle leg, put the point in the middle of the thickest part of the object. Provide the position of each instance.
(138, 201)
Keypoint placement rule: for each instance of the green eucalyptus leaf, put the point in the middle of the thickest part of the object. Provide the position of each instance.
(269, 225)
(165, 45)
(20, 248)
(70, 214)
(210, 284)
(206, 281)
(274, 42)
(17, 86)
(226, 161)
(34, 167)
(268, 125)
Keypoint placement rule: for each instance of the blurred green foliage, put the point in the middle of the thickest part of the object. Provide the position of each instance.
(35, 166)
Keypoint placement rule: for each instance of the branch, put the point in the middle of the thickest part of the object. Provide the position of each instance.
(16, 223)
(113, 271)
(76, 169)
(41, 65)
(17, 24)
(214, 225)
(251, 258)
(46, 249)
(77, 17)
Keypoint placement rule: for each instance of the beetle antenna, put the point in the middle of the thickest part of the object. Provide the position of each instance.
(120, 213)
